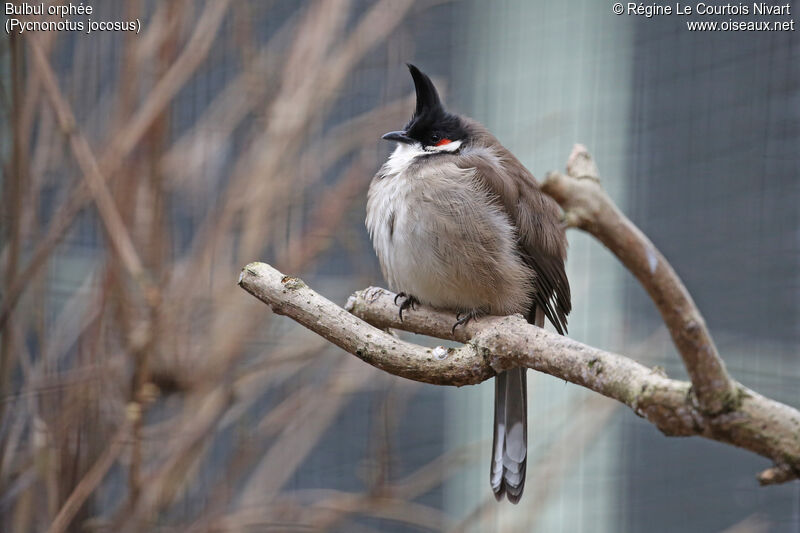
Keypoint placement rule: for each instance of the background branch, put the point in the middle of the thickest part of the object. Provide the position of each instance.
(122, 146)
(588, 207)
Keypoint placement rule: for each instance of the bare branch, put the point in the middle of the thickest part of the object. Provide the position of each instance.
(121, 145)
(115, 226)
(589, 208)
(292, 297)
(493, 344)
(92, 479)
(777, 474)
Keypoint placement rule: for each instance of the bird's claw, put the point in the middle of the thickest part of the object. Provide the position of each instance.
(409, 301)
(462, 319)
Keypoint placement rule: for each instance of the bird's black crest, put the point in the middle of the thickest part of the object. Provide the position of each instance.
(427, 97)
(430, 120)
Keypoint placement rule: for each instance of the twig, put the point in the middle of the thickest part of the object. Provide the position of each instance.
(778, 474)
(287, 514)
(92, 479)
(589, 208)
(12, 205)
(549, 468)
(115, 227)
(296, 441)
(493, 344)
(167, 479)
(192, 56)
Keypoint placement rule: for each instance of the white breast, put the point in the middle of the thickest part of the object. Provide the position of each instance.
(402, 157)
(387, 204)
(385, 210)
(439, 237)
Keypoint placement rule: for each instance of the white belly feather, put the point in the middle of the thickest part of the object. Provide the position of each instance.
(440, 238)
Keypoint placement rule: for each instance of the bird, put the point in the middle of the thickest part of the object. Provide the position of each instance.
(459, 224)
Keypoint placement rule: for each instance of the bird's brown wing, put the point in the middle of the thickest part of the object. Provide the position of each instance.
(537, 218)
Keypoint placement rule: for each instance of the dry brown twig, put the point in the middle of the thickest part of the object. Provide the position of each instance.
(95, 183)
(712, 406)
(120, 147)
(107, 349)
(91, 480)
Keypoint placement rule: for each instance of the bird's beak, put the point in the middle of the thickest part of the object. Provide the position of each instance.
(398, 136)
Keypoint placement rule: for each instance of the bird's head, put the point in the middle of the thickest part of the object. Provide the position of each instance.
(431, 128)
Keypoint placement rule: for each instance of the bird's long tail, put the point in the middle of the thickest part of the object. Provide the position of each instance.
(510, 448)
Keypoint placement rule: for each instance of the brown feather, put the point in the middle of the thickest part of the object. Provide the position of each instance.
(542, 242)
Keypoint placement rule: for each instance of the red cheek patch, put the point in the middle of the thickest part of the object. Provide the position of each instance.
(443, 142)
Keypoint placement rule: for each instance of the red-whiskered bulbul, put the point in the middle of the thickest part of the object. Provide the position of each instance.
(459, 224)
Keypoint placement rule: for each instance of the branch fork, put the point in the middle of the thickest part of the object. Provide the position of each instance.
(712, 406)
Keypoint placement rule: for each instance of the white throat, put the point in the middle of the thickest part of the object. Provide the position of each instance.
(405, 154)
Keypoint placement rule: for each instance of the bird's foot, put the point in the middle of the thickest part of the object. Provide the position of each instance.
(408, 301)
(462, 318)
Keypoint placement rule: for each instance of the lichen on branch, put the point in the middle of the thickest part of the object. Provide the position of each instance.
(493, 344)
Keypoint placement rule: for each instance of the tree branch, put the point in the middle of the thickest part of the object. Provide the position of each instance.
(493, 344)
(588, 207)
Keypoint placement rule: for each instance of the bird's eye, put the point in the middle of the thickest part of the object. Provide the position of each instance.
(434, 139)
